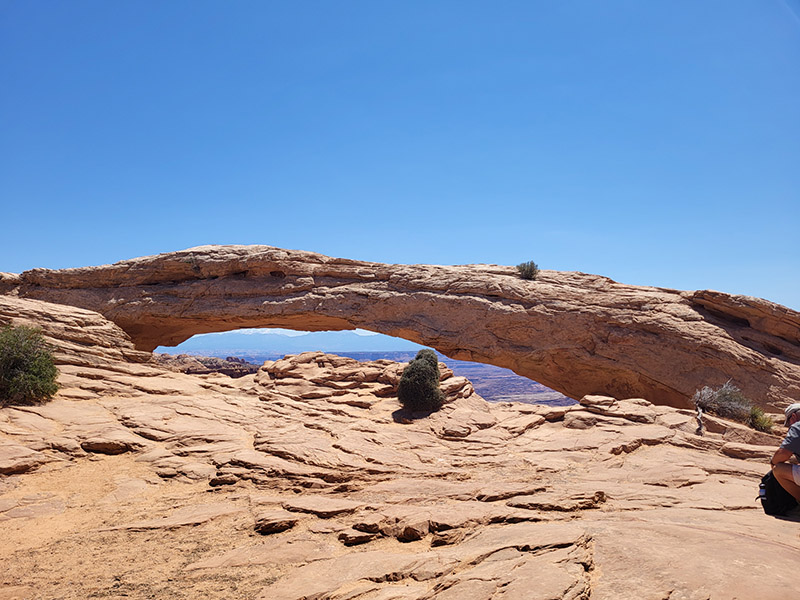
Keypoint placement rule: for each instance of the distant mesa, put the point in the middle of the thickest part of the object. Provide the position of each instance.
(202, 365)
(573, 332)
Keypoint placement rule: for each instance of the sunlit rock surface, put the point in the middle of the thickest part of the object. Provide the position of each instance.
(575, 333)
(306, 480)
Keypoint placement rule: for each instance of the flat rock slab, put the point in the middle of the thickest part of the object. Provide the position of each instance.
(31, 507)
(107, 444)
(527, 536)
(410, 523)
(183, 517)
(555, 502)
(555, 574)
(279, 551)
(324, 507)
(673, 476)
(20, 459)
(127, 490)
(552, 557)
(275, 521)
(657, 572)
(747, 451)
(504, 490)
(634, 409)
(324, 578)
(353, 537)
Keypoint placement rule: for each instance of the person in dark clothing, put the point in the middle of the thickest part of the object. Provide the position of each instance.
(788, 474)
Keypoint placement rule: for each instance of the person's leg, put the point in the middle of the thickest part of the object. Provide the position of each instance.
(783, 473)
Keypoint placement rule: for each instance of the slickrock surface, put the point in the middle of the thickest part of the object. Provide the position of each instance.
(306, 480)
(576, 333)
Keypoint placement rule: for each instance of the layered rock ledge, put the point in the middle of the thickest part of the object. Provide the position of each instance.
(306, 480)
(576, 333)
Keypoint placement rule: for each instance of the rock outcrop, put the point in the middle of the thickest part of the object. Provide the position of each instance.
(576, 333)
(203, 365)
(307, 480)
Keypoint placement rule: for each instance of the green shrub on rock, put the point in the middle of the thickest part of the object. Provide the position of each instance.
(429, 356)
(759, 420)
(418, 389)
(27, 372)
(528, 270)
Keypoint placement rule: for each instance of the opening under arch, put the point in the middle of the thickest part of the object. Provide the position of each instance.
(255, 346)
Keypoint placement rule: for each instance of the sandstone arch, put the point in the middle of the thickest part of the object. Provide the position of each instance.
(574, 332)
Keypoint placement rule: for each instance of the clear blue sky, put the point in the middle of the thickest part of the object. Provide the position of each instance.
(655, 142)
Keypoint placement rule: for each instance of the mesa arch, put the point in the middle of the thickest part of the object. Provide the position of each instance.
(574, 332)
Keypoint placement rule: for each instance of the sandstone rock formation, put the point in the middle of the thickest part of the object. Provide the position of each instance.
(576, 333)
(203, 365)
(306, 480)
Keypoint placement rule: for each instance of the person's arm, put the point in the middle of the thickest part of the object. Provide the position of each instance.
(781, 455)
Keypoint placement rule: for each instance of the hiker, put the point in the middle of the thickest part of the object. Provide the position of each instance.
(787, 474)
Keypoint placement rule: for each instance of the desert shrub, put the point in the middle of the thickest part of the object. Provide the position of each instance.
(729, 402)
(418, 389)
(758, 420)
(528, 270)
(27, 372)
(428, 356)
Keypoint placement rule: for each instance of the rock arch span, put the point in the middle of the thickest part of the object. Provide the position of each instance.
(574, 332)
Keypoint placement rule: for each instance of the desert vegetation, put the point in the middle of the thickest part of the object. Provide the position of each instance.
(528, 270)
(27, 372)
(419, 389)
(729, 402)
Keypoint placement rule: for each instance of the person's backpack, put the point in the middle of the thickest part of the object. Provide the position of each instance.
(775, 500)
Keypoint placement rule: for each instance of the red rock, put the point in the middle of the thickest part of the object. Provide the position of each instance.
(353, 537)
(19, 459)
(322, 506)
(275, 521)
(183, 517)
(447, 495)
(111, 443)
(576, 333)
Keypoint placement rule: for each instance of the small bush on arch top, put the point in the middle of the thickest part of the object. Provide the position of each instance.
(528, 270)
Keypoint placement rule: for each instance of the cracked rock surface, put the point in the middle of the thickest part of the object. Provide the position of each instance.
(307, 481)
